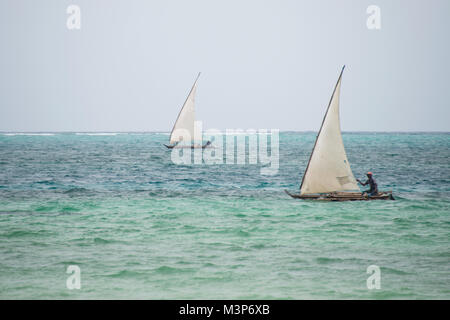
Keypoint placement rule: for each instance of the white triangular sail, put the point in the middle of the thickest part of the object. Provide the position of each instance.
(328, 169)
(186, 118)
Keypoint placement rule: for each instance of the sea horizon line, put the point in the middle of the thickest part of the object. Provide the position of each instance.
(168, 132)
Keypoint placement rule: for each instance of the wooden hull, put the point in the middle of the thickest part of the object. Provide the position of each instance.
(188, 147)
(343, 196)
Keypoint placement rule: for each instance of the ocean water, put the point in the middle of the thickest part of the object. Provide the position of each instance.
(141, 227)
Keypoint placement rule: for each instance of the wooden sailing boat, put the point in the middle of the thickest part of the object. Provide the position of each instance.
(185, 125)
(328, 175)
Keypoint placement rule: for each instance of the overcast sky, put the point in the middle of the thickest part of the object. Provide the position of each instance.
(265, 64)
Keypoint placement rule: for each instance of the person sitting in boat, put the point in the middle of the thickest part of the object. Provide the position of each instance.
(373, 191)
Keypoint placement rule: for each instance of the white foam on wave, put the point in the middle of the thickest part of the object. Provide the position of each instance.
(28, 134)
(245, 133)
(97, 133)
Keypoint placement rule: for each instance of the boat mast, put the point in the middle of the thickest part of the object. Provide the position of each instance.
(320, 130)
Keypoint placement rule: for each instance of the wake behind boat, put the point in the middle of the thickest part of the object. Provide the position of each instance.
(185, 125)
(328, 175)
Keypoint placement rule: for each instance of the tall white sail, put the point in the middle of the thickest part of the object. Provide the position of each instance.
(328, 169)
(186, 118)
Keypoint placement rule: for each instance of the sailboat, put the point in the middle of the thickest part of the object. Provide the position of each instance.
(328, 175)
(185, 124)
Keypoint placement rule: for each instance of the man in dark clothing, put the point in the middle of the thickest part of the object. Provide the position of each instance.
(373, 191)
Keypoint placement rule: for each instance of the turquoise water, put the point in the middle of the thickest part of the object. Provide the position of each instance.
(139, 226)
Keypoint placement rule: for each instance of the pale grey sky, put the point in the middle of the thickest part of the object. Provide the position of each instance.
(265, 64)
